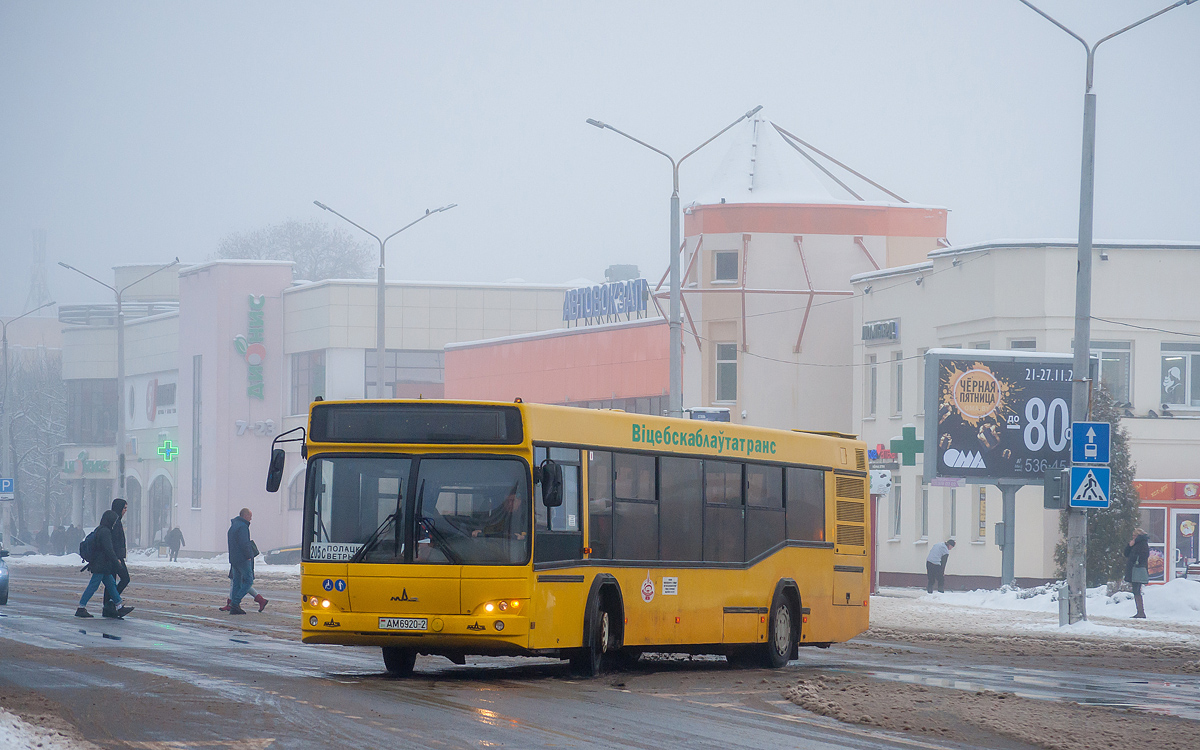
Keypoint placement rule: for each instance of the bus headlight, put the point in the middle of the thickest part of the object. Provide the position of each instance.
(489, 607)
(325, 603)
(313, 621)
(314, 601)
(499, 625)
(503, 606)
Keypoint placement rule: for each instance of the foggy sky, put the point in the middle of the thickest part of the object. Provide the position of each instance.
(138, 131)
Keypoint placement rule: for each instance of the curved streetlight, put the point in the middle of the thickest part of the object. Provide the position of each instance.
(675, 396)
(1080, 387)
(6, 461)
(120, 361)
(382, 286)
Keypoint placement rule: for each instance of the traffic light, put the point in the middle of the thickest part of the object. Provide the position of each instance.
(1055, 489)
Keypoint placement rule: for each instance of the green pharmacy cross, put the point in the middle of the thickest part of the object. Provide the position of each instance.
(908, 446)
(168, 451)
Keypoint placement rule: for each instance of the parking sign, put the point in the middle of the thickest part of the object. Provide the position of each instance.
(6, 489)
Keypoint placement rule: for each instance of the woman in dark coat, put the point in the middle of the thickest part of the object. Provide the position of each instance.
(103, 566)
(1137, 558)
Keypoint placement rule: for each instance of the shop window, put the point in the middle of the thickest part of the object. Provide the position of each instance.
(308, 380)
(725, 266)
(408, 373)
(896, 496)
(1115, 367)
(1154, 522)
(726, 372)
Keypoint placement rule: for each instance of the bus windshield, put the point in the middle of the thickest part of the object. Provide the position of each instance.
(377, 509)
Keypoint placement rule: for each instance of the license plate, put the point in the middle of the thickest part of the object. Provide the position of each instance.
(403, 623)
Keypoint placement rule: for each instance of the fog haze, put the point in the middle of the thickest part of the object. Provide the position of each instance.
(138, 131)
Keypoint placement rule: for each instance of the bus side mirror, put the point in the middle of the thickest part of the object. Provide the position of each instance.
(552, 484)
(275, 472)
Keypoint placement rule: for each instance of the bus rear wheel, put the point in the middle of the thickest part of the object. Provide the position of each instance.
(398, 661)
(781, 631)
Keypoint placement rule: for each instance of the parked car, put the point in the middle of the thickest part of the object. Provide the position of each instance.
(3, 577)
(283, 556)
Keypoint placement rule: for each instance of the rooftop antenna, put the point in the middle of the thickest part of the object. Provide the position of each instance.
(39, 290)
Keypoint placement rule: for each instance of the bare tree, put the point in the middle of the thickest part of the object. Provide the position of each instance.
(318, 250)
(38, 400)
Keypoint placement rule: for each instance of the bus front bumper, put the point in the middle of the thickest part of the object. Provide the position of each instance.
(448, 632)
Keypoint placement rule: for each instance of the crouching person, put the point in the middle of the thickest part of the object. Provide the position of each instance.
(103, 564)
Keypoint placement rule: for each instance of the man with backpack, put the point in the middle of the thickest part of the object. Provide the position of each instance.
(97, 550)
(119, 506)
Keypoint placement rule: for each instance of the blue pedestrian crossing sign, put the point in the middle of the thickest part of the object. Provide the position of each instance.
(6, 489)
(1090, 442)
(1090, 486)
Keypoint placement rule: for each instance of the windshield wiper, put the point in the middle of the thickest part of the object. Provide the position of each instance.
(373, 540)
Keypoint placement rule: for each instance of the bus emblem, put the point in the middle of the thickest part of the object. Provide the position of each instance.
(404, 597)
(647, 589)
(476, 627)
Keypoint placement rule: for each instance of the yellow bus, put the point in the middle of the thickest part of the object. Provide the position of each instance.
(459, 528)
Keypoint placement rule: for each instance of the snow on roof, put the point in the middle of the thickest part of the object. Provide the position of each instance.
(760, 167)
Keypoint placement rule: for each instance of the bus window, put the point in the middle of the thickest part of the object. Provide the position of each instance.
(558, 532)
(681, 500)
(352, 499)
(473, 511)
(764, 508)
(600, 504)
(724, 518)
(806, 505)
(635, 527)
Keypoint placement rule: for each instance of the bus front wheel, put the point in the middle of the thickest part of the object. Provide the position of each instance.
(589, 660)
(781, 632)
(399, 661)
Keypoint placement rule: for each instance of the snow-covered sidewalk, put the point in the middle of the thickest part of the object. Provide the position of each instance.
(1172, 609)
(16, 734)
(151, 560)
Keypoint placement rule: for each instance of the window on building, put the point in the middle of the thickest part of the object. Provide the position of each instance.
(953, 513)
(980, 345)
(1180, 374)
(92, 411)
(897, 383)
(308, 379)
(725, 265)
(921, 381)
(726, 372)
(1027, 344)
(408, 373)
(724, 519)
(924, 513)
(871, 381)
(197, 433)
(806, 505)
(1116, 358)
(981, 514)
(295, 492)
(896, 510)
(1154, 522)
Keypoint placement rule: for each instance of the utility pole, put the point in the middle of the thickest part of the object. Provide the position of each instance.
(1081, 385)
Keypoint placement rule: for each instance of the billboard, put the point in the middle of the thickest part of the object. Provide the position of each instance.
(996, 416)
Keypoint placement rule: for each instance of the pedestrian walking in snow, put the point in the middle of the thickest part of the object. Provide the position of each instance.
(174, 542)
(102, 563)
(58, 545)
(119, 506)
(1137, 560)
(935, 566)
(242, 552)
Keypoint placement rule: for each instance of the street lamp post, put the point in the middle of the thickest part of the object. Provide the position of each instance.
(675, 396)
(120, 362)
(380, 291)
(1076, 569)
(6, 424)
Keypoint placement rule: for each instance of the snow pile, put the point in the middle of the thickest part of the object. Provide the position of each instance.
(16, 734)
(1176, 601)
